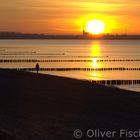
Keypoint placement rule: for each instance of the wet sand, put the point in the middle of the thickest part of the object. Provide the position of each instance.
(43, 107)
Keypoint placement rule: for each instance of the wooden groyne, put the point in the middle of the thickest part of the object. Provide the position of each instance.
(80, 69)
(49, 56)
(44, 60)
(102, 82)
(30, 53)
(116, 82)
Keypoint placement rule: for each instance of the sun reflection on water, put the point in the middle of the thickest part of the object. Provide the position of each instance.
(95, 50)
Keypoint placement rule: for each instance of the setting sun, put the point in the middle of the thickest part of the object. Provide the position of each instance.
(95, 26)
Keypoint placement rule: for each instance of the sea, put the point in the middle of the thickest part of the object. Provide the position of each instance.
(110, 62)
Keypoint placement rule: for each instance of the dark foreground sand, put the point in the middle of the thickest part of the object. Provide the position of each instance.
(43, 107)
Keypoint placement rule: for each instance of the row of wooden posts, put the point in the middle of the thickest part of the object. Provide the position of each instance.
(103, 82)
(35, 60)
(50, 56)
(116, 82)
(81, 69)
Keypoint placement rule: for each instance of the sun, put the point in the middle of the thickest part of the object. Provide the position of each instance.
(95, 26)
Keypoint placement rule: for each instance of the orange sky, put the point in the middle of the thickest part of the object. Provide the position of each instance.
(68, 16)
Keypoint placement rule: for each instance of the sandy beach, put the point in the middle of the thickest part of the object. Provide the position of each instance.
(44, 107)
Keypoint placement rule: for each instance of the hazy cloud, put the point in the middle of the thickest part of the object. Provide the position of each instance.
(47, 12)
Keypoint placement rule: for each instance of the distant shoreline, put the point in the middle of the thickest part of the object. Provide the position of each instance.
(14, 35)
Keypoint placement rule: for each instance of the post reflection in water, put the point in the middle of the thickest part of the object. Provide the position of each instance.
(95, 50)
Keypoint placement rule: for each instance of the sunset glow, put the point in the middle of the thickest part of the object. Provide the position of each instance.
(67, 17)
(95, 26)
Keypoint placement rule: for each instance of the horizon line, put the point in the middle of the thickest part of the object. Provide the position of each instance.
(102, 34)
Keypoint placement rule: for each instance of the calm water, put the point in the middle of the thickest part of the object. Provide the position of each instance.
(77, 54)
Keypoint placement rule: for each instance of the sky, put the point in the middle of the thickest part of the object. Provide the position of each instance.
(69, 16)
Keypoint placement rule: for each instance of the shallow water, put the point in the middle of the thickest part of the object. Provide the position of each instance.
(76, 54)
